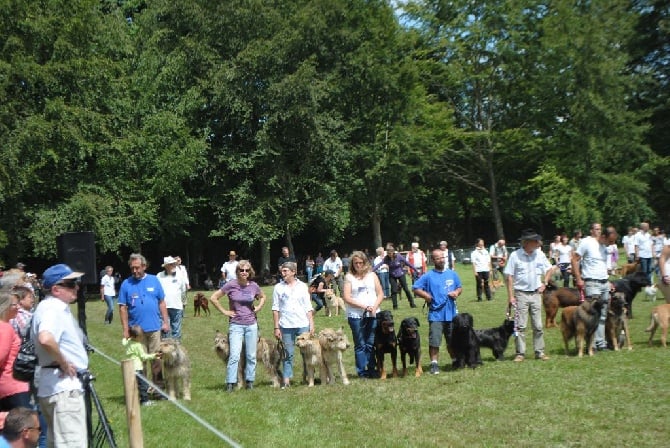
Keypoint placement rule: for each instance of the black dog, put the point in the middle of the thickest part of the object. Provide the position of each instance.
(630, 285)
(409, 342)
(464, 343)
(386, 342)
(496, 338)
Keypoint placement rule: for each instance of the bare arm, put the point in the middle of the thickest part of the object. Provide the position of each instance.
(123, 313)
(214, 298)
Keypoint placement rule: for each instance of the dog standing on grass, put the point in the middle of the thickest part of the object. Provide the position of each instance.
(386, 342)
(268, 353)
(310, 349)
(333, 301)
(660, 317)
(333, 344)
(176, 369)
(581, 323)
(200, 302)
(616, 325)
(554, 298)
(496, 338)
(464, 342)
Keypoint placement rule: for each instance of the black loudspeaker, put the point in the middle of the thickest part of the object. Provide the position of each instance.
(77, 250)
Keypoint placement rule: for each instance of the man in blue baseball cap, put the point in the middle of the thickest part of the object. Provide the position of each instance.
(60, 349)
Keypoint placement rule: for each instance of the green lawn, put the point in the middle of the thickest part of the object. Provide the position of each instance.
(612, 399)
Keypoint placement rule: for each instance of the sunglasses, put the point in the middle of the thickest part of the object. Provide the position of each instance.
(244, 270)
(71, 284)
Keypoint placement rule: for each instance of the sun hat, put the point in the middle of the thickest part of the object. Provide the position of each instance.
(169, 260)
(58, 272)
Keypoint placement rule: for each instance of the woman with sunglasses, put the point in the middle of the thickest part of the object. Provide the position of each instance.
(363, 294)
(292, 314)
(242, 293)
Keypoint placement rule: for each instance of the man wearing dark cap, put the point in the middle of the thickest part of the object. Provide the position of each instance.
(527, 272)
(61, 353)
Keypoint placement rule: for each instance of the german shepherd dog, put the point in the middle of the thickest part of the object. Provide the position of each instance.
(496, 338)
(616, 325)
(386, 342)
(409, 341)
(200, 302)
(464, 342)
(555, 298)
(630, 285)
(581, 323)
(660, 317)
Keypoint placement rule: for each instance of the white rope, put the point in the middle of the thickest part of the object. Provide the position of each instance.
(195, 417)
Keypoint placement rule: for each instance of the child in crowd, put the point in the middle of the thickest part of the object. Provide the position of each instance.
(135, 351)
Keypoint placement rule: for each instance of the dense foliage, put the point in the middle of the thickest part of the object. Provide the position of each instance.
(259, 121)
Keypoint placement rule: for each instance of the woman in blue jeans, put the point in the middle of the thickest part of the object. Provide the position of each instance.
(363, 294)
(292, 313)
(242, 293)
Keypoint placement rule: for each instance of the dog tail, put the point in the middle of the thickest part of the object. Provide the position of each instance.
(654, 322)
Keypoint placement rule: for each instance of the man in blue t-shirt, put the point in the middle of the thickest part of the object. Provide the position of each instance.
(141, 302)
(439, 288)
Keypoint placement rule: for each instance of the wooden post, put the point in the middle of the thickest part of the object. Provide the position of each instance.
(133, 413)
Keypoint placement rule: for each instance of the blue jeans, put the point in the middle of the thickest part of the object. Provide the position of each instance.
(363, 333)
(602, 290)
(646, 267)
(288, 337)
(318, 300)
(386, 283)
(175, 317)
(309, 270)
(236, 335)
(109, 300)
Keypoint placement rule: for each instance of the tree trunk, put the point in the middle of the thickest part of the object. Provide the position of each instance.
(376, 221)
(264, 247)
(495, 205)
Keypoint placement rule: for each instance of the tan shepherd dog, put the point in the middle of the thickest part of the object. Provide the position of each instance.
(176, 369)
(268, 353)
(630, 268)
(333, 343)
(310, 349)
(616, 325)
(333, 301)
(660, 317)
(581, 323)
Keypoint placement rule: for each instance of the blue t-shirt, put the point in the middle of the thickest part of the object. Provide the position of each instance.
(438, 284)
(142, 298)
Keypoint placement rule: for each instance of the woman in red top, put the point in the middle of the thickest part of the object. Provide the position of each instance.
(13, 393)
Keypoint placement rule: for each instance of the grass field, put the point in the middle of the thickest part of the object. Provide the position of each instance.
(613, 399)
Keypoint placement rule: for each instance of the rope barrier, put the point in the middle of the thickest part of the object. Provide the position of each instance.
(183, 408)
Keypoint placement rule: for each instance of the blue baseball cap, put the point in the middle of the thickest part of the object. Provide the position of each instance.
(58, 272)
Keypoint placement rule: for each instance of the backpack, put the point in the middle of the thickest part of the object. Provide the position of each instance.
(26, 359)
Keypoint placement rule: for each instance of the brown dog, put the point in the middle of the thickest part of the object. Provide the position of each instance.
(630, 268)
(310, 349)
(333, 302)
(555, 298)
(581, 323)
(660, 317)
(200, 302)
(268, 353)
(333, 343)
(616, 325)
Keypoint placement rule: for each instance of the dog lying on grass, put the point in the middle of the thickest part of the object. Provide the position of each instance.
(176, 369)
(333, 343)
(409, 341)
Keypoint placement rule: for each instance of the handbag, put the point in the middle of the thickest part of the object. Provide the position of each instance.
(26, 359)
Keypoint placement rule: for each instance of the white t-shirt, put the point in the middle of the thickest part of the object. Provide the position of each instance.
(481, 259)
(593, 259)
(362, 291)
(107, 283)
(564, 253)
(643, 242)
(333, 265)
(173, 287)
(293, 304)
(230, 269)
